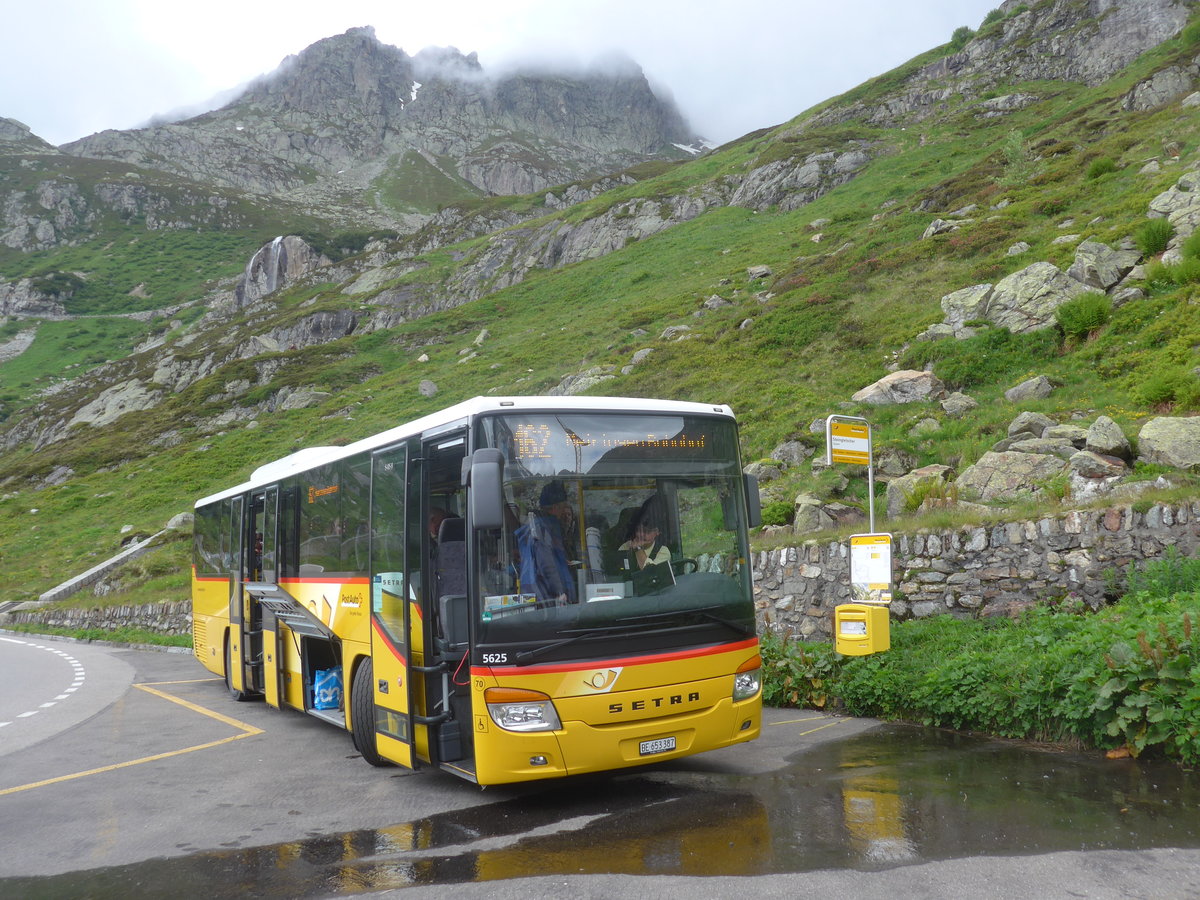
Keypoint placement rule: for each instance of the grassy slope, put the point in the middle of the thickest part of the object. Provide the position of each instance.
(826, 326)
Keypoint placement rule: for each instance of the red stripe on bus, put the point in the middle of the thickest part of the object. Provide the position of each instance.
(332, 580)
(386, 640)
(621, 660)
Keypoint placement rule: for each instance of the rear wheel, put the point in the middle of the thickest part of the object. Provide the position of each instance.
(362, 714)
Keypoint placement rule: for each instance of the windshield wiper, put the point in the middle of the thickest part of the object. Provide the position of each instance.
(525, 655)
(704, 612)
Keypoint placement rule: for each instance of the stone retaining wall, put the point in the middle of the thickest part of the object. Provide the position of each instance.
(978, 570)
(165, 618)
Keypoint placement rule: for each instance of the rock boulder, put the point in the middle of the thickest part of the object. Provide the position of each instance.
(1171, 441)
(905, 386)
(1025, 301)
(1009, 474)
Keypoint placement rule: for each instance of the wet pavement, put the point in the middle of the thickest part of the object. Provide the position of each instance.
(890, 796)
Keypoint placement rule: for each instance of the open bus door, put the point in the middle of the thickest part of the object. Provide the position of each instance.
(263, 635)
(381, 709)
(254, 546)
(237, 653)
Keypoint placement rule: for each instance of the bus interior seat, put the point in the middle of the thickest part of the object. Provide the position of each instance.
(450, 580)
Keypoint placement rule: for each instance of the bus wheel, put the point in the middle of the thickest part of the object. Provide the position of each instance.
(237, 695)
(362, 714)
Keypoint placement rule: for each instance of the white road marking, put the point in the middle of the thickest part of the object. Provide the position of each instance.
(80, 675)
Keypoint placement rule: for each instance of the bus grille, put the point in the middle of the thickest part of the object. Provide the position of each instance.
(199, 638)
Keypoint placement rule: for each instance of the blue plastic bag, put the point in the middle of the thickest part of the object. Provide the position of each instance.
(327, 689)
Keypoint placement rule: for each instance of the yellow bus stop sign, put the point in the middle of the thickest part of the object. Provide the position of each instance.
(850, 442)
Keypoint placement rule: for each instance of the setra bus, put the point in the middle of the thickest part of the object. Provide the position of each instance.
(508, 589)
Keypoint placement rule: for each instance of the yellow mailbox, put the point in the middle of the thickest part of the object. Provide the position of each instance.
(860, 629)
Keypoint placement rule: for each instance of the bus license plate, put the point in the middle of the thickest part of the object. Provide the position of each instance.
(662, 745)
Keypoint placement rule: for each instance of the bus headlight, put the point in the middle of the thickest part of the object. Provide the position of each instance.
(515, 709)
(748, 679)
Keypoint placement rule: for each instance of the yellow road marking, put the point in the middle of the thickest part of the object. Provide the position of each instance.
(249, 729)
(810, 719)
(246, 731)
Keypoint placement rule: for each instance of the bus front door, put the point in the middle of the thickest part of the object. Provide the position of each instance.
(237, 655)
(255, 548)
(387, 696)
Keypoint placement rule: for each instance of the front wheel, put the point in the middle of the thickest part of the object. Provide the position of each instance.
(362, 714)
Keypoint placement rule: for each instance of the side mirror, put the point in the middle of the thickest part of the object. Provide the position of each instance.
(753, 502)
(485, 489)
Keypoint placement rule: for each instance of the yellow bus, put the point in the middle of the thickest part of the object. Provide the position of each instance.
(508, 589)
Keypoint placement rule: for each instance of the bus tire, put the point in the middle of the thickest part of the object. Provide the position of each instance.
(362, 714)
(239, 696)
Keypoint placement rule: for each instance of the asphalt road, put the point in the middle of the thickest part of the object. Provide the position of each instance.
(135, 769)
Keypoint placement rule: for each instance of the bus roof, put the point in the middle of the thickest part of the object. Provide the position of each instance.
(450, 417)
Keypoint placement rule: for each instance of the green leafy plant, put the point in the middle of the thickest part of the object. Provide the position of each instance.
(1173, 574)
(959, 39)
(1191, 247)
(1057, 488)
(1163, 387)
(1082, 315)
(929, 489)
(1177, 274)
(1153, 235)
(988, 357)
(778, 512)
(796, 674)
(1100, 167)
(1020, 165)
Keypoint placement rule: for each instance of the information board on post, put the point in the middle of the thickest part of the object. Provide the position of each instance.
(848, 442)
(871, 568)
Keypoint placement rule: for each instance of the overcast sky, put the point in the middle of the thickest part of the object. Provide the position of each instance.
(69, 68)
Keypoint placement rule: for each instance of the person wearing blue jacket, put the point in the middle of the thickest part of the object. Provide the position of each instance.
(545, 567)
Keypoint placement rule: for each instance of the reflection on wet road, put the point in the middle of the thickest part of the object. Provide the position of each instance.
(892, 796)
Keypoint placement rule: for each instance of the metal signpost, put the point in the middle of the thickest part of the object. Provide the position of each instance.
(863, 626)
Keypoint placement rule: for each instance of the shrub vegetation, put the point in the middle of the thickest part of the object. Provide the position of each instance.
(1082, 315)
(1125, 678)
(1153, 235)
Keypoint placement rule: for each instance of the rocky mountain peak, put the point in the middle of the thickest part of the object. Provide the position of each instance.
(358, 112)
(348, 76)
(447, 61)
(15, 137)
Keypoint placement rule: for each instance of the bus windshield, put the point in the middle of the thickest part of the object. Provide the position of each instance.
(619, 526)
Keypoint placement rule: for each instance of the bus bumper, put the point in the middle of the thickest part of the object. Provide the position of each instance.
(579, 748)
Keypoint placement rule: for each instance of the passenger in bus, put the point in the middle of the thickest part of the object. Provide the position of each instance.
(437, 515)
(545, 567)
(643, 543)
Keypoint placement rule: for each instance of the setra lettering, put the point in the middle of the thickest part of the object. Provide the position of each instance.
(657, 702)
